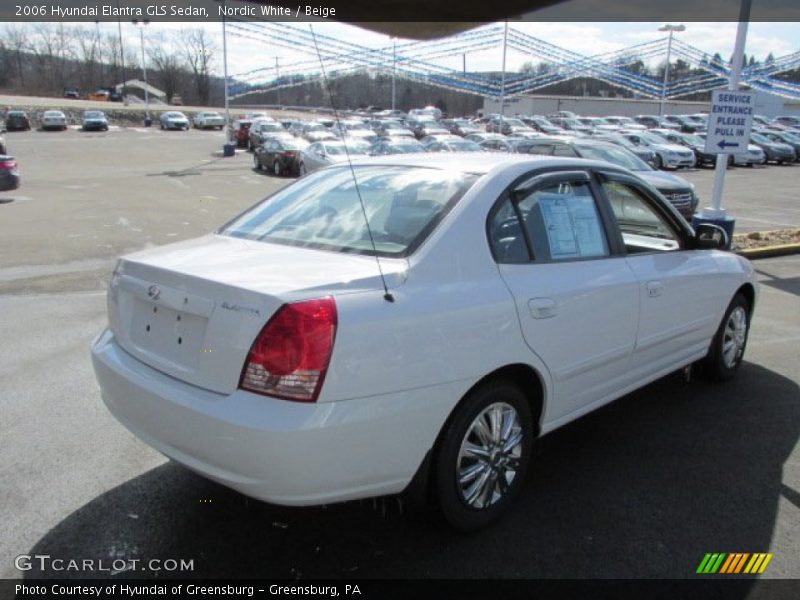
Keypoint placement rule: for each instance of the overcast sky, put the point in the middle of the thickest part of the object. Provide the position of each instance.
(583, 38)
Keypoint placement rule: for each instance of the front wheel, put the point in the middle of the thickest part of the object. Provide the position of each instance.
(276, 168)
(480, 462)
(301, 169)
(256, 162)
(659, 162)
(727, 347)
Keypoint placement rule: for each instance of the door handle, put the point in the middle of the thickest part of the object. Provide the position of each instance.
(654, 288)
(542, 308)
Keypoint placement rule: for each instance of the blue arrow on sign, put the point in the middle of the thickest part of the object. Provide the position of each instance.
(723, 144)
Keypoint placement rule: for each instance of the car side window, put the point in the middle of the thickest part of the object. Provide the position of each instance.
(563, 222)
(540, 149)
(557, 222)
(506, 237)
(643, 228)
(564, 150)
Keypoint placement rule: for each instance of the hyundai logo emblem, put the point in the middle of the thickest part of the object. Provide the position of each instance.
(154, 292)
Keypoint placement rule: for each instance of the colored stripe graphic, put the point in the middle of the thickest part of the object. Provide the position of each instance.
(711, 563)
(734, 562)
(758, 563)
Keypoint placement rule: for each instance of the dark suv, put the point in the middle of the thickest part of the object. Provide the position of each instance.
(678, 191)
(261, 130)
(17, 120)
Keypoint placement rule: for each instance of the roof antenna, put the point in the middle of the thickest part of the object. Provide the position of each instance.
(387, 295)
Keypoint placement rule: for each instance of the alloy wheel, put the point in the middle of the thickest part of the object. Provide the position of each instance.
(489, 457)
(734, 337)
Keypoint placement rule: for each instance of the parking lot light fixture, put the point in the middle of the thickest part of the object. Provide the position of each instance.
(141, 25)
(672, 29)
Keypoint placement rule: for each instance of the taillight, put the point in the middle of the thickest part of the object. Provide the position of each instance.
(7, 164)
(290, 356)
(288, 153)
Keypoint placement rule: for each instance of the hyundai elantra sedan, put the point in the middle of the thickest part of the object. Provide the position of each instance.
(414, 322)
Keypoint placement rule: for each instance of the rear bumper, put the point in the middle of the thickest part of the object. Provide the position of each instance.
(284, 452)
(8, 181)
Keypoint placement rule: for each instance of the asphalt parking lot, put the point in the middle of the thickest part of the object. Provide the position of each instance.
(642, 488)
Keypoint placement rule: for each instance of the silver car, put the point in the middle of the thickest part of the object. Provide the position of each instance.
(174, 120)
(329, 152)
(54, 119)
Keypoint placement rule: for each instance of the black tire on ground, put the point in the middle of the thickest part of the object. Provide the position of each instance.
(276, 168)
(459, 508)
(256, 162)
(659, 162)
(729, 343)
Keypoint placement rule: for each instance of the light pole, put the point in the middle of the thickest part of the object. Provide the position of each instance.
(277, 81)
(141, 25)
(715, 213)
(394, 68)
(121, 56)
(228, 148)
(503, 80)
(672, 29)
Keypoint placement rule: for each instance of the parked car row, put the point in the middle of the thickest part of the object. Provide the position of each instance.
(296, 147)
(96, 120)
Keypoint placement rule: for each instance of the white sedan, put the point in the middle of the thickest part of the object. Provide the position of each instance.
(174, 120)
(208, 120)
(302, 358)
(54, 119)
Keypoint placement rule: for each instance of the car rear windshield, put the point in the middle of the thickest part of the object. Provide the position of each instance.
(322, 210)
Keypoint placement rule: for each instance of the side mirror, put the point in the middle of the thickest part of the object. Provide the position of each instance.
(710, 237)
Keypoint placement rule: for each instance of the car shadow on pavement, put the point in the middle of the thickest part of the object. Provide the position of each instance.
(642, 488)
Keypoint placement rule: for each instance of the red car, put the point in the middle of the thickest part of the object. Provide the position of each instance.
(9, 175)
(240, 132)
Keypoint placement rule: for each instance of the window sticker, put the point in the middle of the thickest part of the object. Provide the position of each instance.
(573, 226)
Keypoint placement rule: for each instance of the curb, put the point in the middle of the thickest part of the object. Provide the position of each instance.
(770, 251)
(219, 153)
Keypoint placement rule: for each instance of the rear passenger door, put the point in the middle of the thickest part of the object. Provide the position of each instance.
(576, 299)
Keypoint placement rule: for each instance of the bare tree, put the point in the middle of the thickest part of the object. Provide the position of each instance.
(16, 40)
(167, 65)
(199, 50)
(89, 54)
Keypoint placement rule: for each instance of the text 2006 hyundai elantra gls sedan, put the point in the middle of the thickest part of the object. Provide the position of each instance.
(301, 357)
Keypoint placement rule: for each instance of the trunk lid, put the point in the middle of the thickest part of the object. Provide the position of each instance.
(192, 309)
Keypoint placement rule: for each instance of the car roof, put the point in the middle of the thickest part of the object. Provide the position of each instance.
(470, 162)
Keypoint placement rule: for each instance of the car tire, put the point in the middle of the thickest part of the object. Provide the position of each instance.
(301, 169)
(729, 343)
(473, 490)
(256, 162)
(659, 162)
(276, 168)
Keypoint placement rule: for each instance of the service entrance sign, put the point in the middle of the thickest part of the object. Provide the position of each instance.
(729, 122)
